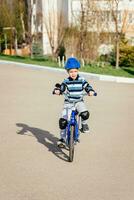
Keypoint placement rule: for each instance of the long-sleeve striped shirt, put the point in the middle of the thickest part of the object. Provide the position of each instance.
(75, 88)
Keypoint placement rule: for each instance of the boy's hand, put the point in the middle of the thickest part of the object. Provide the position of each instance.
(57, 92)
(91, 93)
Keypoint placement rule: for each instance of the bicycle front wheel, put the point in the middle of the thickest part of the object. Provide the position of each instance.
(71, 144)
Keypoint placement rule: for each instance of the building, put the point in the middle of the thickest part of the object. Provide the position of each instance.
(122, 9)
(47, 17)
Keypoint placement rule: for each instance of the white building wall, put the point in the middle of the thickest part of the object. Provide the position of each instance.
(70, 9)
(51, 11)
(62, 7)
(73, 11)
(49, 20)
(124, 6)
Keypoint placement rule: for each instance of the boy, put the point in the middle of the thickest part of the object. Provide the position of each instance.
(74, 86)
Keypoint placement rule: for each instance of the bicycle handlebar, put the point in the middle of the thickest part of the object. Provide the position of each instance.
(84, 94)
(57, 87)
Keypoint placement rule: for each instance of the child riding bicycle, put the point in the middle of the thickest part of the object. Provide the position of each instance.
(74, 86)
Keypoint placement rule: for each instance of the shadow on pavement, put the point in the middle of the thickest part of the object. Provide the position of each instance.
(43, 137)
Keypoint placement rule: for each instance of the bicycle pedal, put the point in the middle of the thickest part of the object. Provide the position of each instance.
(77, 141)
(61, 145)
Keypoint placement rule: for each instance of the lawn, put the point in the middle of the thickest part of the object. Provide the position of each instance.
(107, 70)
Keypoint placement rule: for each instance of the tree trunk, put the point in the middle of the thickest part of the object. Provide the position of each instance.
(23, 27)
(117, 55)
(16, 45)
(117, 52)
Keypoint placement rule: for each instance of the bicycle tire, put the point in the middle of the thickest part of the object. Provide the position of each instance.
(71, 144)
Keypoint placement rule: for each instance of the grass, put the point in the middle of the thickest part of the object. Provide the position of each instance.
(109, 70)
(27, 60)
(45, 61)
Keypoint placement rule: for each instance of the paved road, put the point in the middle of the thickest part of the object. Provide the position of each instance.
(33, 168)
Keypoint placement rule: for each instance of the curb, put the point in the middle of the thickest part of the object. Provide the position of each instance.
(107, 78)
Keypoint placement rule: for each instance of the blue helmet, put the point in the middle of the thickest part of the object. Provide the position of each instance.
(72, 63)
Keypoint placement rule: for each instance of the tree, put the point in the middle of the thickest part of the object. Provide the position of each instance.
(12, 21)
(89, 24)
(120, 23)
(19, 12)
(6, 20)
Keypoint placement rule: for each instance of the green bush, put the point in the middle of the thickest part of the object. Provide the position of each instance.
(111, 58)
(126, 55)
(126, 58)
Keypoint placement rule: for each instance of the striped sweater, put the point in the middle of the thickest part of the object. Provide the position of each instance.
(75, 88)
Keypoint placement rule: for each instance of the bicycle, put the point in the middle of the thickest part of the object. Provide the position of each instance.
(72, 129)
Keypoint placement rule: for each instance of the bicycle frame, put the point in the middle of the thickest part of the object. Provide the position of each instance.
(72, 133)
(73, 122)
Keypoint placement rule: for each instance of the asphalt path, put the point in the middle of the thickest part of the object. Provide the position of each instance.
(32, 167)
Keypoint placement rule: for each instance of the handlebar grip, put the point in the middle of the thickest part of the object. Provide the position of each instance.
(95, 94)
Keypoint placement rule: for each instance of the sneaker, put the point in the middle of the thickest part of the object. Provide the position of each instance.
(85, 128)
(61, 143)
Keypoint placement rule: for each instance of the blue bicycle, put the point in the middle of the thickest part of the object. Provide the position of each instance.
(72, 129)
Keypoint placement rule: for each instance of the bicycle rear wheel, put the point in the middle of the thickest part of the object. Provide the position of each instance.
(71, 144)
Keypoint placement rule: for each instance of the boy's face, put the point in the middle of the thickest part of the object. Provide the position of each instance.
(73, 73)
